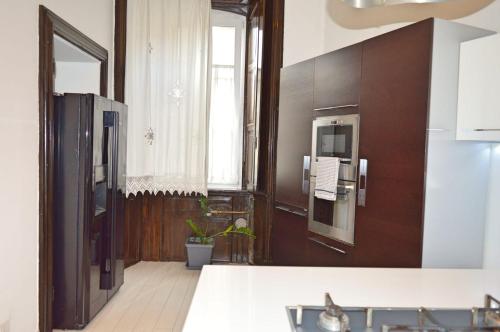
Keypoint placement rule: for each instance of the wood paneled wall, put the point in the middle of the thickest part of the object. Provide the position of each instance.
(156, 230)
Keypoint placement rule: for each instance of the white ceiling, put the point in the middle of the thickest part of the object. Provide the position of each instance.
(64, 51)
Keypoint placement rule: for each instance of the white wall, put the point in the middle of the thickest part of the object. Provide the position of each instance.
(88, 74)
(457, 172)
(315, 27)
(19, 144)
(491, 258)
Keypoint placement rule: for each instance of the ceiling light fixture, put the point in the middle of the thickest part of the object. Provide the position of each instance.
(380, 3)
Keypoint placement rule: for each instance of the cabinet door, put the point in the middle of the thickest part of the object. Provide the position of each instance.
(337, 78)
(294, 134)
(479, 86)
(393, 118)
(289, 238)
(292, 243)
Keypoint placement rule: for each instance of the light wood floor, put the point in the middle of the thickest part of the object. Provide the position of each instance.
(154, 298)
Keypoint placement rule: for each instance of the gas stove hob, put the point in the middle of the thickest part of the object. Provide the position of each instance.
(332, 317)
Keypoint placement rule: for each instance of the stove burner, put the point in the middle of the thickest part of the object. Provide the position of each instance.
(333, 318)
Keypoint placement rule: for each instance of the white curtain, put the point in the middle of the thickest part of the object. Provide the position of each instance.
(166, 91)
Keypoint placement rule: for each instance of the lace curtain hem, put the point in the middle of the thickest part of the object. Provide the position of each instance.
(154, 185)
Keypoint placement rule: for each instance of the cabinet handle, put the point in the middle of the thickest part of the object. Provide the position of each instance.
(295, 212)
(335, 107)
(340, 251)
(306, 169)
(486, 129)
(363, 177)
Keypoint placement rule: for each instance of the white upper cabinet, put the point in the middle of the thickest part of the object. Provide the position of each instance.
(478, 115)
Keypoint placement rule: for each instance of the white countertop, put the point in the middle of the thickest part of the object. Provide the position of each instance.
(253, 298)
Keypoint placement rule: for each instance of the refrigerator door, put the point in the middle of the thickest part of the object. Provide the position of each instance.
(90, 206)
(81, 210)
(71, 211)
(117, 262)
(101, 201)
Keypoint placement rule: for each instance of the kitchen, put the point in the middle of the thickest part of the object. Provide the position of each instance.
(447, 242)
(418, 174)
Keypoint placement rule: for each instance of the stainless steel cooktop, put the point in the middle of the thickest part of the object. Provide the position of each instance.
(332, 317)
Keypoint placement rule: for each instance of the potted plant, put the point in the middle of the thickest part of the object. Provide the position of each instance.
(200, 245)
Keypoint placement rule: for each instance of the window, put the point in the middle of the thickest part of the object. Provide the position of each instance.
(225, 140)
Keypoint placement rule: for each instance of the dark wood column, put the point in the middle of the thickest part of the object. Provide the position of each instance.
(272, 62)
(120, 49)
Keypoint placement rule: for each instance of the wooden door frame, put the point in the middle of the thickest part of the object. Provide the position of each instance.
(49, 25)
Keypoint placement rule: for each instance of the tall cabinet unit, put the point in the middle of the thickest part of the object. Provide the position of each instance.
(397, 86)
(292, 166)
(393, 112)
(89, 204)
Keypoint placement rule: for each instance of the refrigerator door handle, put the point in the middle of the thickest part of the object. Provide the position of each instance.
(113, 178)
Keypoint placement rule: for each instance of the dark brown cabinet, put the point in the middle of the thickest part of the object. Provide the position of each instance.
(293, 150)
(387, 78)
(289, 245)
(337, 78)
(393, 109)
(294, 134)
(292, 243)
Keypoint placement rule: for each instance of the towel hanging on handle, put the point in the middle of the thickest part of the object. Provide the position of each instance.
(327, 177)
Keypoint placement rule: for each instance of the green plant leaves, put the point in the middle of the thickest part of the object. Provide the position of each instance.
(196, 230)
(245, 231)
(227, 230)
(205, 210)
(203, 234)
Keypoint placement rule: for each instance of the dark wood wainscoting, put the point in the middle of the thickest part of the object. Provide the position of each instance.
(156, 230)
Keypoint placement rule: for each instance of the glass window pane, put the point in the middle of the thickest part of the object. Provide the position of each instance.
(225, 132)
(223, 46)
(225, 146)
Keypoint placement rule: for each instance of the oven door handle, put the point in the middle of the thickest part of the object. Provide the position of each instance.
(362, 181)
(306, 173)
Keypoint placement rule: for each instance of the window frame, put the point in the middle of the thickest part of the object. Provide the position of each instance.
(227, 19)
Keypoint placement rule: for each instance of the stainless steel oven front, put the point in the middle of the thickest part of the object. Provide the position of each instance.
(335, 136)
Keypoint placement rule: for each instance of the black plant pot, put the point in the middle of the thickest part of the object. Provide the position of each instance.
(198, 254)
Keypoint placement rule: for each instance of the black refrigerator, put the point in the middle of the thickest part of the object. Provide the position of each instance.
(89, 204)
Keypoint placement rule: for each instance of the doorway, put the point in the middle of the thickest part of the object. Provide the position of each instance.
(57, 35)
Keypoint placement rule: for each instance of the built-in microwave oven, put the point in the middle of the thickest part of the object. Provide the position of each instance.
(335, 136)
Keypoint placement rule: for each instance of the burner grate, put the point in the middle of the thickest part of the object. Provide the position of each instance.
(487, 318)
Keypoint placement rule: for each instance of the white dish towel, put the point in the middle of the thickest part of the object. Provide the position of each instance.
(327, 176)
